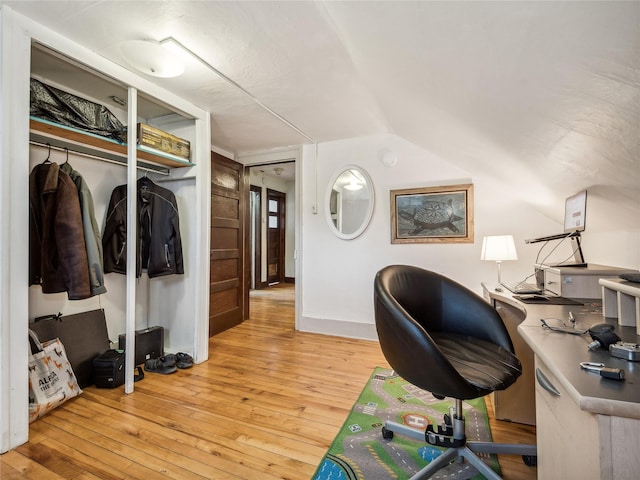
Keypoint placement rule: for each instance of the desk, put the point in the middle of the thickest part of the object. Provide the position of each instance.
(516, 403)
(591, 430)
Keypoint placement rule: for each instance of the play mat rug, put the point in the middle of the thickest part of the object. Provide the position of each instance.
(360, 453)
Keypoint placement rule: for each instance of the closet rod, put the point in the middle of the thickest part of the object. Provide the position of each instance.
(115, 160)
(175, 179)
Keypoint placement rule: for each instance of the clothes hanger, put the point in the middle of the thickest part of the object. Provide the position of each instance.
(144, 181)
(46, 160)
(66, 162)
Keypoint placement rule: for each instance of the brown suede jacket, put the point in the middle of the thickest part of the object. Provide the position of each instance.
(57, 254)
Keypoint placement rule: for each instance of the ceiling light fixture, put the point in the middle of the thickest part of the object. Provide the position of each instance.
(158, 59)
(353, 185)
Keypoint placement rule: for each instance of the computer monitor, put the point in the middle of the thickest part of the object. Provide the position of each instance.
(575, 209)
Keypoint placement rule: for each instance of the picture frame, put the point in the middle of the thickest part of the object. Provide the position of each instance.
(442, 214)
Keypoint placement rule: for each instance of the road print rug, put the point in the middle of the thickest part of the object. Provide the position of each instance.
(360, 453)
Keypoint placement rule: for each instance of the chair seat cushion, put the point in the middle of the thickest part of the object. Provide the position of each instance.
(484, 365)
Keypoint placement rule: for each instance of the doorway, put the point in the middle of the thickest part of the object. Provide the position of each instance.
(271, 224)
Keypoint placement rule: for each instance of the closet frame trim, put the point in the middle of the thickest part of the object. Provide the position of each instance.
(17, 35)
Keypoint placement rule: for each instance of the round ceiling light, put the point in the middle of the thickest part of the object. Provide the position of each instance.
(151, 58)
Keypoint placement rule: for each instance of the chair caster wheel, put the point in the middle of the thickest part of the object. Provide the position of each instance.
(530, 460)
(387, 434)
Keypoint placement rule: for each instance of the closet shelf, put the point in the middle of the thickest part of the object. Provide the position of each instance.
(46, 132)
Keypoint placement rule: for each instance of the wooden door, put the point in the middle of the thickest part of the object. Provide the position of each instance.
(228, 295)
(275, 236)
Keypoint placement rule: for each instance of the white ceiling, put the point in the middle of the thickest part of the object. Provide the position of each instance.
(545, 92)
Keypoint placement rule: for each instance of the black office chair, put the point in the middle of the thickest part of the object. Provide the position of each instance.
(443, 338)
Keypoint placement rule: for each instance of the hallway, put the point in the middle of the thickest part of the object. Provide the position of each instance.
(274, 305)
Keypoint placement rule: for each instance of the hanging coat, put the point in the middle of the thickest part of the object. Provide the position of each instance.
(159, 246)
(57, 253)
(91, 230)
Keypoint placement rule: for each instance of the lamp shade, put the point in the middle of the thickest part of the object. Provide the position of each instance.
(498, 248)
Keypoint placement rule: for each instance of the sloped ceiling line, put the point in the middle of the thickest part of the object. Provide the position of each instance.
(242, 90)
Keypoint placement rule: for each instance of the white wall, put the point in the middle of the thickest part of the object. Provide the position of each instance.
(337, 275)
(290, 232)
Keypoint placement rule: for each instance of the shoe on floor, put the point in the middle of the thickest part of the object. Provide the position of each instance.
(181, 360)
(163, 365)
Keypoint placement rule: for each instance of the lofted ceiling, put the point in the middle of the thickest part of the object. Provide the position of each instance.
(544, 92)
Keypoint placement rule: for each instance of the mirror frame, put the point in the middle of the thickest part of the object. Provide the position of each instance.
(367, 220)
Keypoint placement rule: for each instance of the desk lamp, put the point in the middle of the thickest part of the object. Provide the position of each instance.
(498, 248)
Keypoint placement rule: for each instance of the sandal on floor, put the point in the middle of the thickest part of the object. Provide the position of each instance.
(180, 359)
(163, 365)
(183, 360)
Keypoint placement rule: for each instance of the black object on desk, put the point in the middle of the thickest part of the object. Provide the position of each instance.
(546, 300)
(630, 277)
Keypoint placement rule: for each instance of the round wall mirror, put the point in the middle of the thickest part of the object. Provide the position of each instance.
(349, 203)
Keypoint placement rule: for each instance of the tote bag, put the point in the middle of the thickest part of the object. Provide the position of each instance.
(51, 378)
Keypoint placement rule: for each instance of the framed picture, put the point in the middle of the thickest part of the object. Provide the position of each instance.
(432, 214)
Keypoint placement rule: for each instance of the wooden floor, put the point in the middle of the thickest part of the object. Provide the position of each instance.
(266, 405)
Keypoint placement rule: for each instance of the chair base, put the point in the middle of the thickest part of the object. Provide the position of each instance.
(467, 451)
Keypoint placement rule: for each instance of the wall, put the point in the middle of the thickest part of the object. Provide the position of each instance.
(290, 233)
(336, 276)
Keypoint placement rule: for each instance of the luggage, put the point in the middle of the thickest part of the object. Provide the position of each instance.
(84, 336)
(108, 369)
(149, 344)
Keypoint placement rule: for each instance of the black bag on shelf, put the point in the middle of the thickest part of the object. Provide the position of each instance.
(58, 106)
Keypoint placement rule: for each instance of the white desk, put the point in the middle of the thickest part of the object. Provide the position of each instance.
(591, 430)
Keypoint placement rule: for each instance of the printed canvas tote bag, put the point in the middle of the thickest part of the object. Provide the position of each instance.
(51, 378)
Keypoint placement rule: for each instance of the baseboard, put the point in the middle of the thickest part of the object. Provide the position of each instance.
(340, 328)
(262, 285)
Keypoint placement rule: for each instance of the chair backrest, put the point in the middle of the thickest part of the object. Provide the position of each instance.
(411, 302)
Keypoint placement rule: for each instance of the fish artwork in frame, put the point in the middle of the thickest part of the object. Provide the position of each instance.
(432, 214)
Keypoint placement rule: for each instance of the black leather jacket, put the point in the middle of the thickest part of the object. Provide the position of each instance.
(159, 248)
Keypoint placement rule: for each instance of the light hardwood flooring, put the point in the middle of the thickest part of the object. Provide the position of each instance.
(266, 405)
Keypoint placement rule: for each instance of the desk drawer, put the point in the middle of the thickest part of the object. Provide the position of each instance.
(553, 282)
